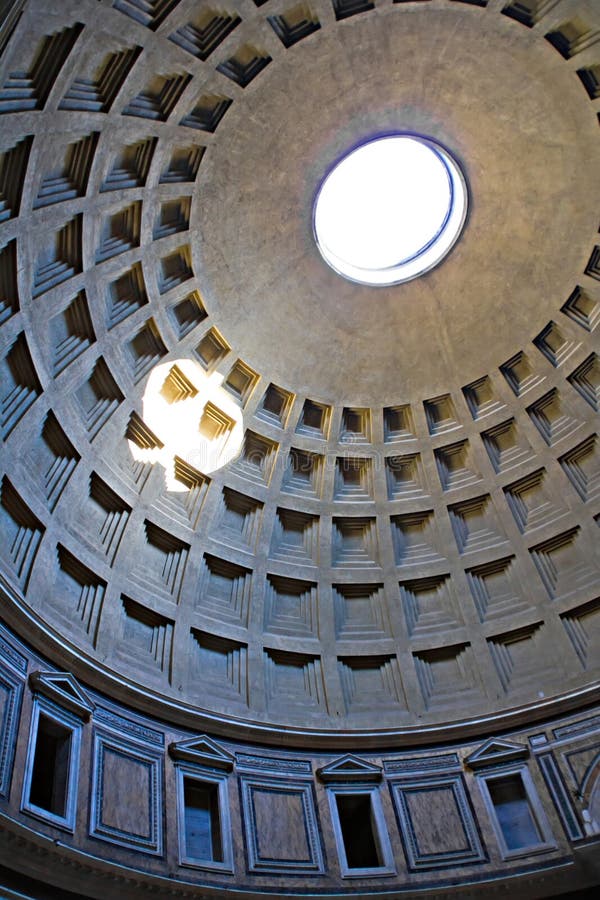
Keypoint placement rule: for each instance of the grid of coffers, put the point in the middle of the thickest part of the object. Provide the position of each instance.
(370, 566)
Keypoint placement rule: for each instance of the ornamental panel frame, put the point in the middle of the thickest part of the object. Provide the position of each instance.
(417, 860)
(12, 687)
(146, 757)
(315, 865)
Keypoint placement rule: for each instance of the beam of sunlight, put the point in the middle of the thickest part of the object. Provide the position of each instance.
(193, 417)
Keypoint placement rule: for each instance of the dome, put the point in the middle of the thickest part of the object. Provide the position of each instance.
(241, 493)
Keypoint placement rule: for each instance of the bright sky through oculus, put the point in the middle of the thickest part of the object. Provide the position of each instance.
(390, 210)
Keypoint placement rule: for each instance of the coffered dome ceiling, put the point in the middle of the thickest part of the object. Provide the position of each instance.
(408, 538)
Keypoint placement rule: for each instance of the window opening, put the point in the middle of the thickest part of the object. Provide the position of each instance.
(358, 832)
(202, 820)
(50, 773)
(513, 812)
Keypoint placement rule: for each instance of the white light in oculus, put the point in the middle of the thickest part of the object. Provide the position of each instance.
(390, 210)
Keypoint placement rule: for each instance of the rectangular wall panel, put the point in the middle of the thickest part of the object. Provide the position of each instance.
(11, 692)
(280, 824)
(126, 805)
(436, 822)
(13, 668)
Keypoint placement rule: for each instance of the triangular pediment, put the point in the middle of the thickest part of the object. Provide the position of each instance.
(494, 751)
(350, 768)
(203, 751)
(63, 689)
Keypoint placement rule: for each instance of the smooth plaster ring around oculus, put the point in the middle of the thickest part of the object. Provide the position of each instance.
(390, 210)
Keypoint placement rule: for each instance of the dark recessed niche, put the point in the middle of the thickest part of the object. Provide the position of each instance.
(175, 269)
(519, 374)
(61, 257)
(138, 432)
(314, 419)
(225, 590)
(203, 34)
(174, 217)
(120, 232)
(9, 293)
(20, 385)
(551, 417)
(355, 542)
(523, 11)
(294, 24)
(202, 820)
(355, 817)
(276, 405)
(295, 537)
(303, 474)
(590, 79)
(71, 333)
(586, 380)
(30, 87)
(130, 166)
(207, 113)
(440, 414)
(553, 344)
(582, 309)
(405, 477)
(505, 446)
(571, 37)
(59, 458)
(345, 8)
(13, 166)
(98, 397)
(212, 349)
(241, 381)
(239, 519)
(582, 467)
(98, 93)
(183, 165)
(398, 423)
(257, 458)
(291, 607)
(50, 772)
(150, 14)
(353, 479)
(456, 468)
(69, 179)
(356, 425)
(187, 314)
(22, 532)
(125, 295)
(160, 97)
(581, 625)
(145, 349)
(513, 813)
(245, 64)
(481, 398)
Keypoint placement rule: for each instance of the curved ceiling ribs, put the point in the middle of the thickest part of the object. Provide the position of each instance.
(409, 535)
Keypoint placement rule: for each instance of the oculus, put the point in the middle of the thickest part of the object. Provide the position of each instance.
(390, 210)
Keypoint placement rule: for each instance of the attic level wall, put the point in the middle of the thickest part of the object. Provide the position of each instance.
(153, 807)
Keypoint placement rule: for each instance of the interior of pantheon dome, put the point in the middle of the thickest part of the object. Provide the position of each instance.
(299, 549)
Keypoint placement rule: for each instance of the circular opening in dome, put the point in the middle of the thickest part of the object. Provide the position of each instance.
(390, 210)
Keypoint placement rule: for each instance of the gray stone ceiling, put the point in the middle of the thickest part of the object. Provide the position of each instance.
(409, 535)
